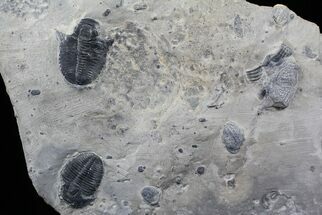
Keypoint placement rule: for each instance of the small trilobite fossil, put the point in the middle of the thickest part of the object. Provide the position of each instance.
(81, 177)
(233, 137)
(151, 195)
(281, 15)
(268, 198)
(82, 55)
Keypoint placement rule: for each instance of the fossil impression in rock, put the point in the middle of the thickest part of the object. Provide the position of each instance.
(82, 55)
(81, 177)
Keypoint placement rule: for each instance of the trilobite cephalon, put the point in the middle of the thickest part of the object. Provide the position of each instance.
(81, 177)
(82, 55)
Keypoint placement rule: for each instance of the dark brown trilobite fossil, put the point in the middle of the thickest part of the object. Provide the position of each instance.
(82, 55)
(81, 177)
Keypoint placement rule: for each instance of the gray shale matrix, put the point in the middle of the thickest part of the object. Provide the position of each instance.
(175, 107)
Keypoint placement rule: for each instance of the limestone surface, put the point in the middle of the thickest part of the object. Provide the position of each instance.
(154, 115)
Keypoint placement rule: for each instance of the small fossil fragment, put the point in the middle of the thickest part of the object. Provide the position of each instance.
(82, 55)
(107, 12)
(233, 137)
(140, 6)
(238, 27)
(276, 59)
(281, 15)
(268, 198)
(81, 177)
(254, 74)
(151, 195)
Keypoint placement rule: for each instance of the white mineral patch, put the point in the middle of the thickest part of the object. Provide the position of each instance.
(175, 74)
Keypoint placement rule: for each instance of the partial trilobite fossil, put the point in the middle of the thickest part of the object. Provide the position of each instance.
(81, 177)
(282, 85)
(82, 55)
(281, 15)
(151, 195)
(233, 137)
(281, 74)
(254, 74)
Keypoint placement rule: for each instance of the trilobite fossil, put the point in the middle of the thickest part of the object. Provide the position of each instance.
(82, 55)
(282, 86)
(81, 177)
(281, 15)
(233, 137)
(151, 195)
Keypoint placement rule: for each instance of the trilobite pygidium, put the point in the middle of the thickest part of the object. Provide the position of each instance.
(81, 177)
(82, 55)
(281, 78)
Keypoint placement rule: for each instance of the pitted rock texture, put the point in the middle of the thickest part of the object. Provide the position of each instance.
(174, 75)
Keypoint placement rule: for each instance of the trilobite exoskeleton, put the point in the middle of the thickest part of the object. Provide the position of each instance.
(254, 74)
(81, 177)
(232, 137)
(151, 195)
(281, 15)
(276, 59)
(82, 55)
(282, 86)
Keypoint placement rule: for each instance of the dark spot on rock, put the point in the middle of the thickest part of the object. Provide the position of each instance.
(194, 146)
(202, 120)
(178, 180)
(35, 92)
(180, 150)
(109, 157)
(107, 12)
(141, 168)
(200, 170)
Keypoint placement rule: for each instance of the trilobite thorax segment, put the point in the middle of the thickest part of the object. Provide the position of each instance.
(232, 137)
(254, 74)
(81, 177)
(82, 55)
